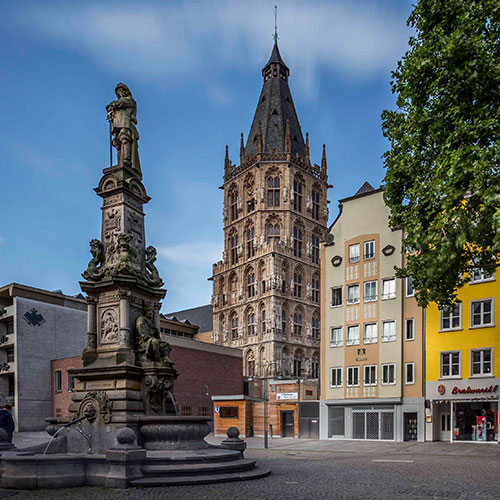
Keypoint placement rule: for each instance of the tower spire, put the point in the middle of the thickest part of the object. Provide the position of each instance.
(242, 150)
(323, 160)
(275, 36)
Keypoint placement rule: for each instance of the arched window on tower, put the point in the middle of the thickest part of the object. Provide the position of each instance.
(297, 283)
(297, 242)
(315, 203)
(251, 284)
(315, 366)
(222, 292)
(251, 323)
(284, 319)
(273, 192)
(315, 288)
(250, 362)
(273, 232)
(250, 240)
(233, 246)
(315, 249)
(297, 322)
(297, 195)
(315, 331)
(263, 320)
(234, 326)
(234, 205)
(297, 363)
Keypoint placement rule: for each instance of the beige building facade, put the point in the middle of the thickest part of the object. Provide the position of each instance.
(267, 286)
(372, 376)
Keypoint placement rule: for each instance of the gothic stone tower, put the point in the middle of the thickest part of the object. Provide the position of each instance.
(266, 288)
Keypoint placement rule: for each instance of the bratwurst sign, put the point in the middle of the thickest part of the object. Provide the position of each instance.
(479, 390)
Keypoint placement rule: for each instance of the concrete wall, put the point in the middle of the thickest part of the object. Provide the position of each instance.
(63, 334)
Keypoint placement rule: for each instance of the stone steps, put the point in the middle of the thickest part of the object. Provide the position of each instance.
(254, 473)
(163, 470)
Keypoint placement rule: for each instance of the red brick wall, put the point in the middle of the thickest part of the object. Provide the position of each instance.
(199, 370)
(62, 399)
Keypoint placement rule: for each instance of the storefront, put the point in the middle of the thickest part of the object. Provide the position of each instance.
(463, 410)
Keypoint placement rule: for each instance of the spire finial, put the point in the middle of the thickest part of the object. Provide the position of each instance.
(323, 159)
(242, 150)
(275, 36)
(306, 147)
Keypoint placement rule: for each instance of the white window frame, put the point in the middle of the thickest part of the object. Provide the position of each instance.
(371, 297)
(341, 296)
(449, 353)
(451, 328)
(352, 301)
(365, 244)
(338, 369)
(369, 384)
(389, 296)
(391, 338)
(409, 283)
(382, 377)
(352, 255)
(482, 374)
(412, 321)
(349, 341)
(372, 340)
(340, 342)
(482, 325)
(412, 373)
(482, 278)
(352, 369)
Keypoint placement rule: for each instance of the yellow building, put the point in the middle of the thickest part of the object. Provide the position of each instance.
(462, 374)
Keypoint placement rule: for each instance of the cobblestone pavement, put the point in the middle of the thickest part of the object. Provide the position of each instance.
(307, 475)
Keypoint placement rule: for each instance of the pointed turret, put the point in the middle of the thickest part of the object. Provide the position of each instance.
(227, 161)
(274, 109)
(242, 150)
(323, 160)
(306, 149)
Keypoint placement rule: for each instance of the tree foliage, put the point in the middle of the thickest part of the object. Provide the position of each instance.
(443, 166)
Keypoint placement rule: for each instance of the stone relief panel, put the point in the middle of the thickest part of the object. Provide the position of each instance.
(111, 228)
(109, 326)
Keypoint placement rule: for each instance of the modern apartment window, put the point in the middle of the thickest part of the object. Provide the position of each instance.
(336, 336)
(335, 377)
(450, 364)
(388, 288)
(297, 242)
(353, 376)
(388, 331)
(315, 204)
(371, 334)
(451, 317)
(297, 196)
(336, 296)
(353, 253)
(58, 380)
(481, 313)
(410, 292)
(410, 329)
(352, 335)
(71, 383)
(481, 362)
(409, 373)
(370, 375)
(10, 355)
(389, 374)
(315, 249)
(353, 294)
(369, 250)
(9, 328)
(370, 291)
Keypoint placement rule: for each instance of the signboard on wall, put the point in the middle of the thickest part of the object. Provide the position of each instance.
(282, 396)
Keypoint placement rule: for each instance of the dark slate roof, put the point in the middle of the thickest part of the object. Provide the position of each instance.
(198, 316)
(365, 188)
(274, 108)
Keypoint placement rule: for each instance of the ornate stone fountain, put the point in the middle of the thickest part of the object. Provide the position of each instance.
(123, 404)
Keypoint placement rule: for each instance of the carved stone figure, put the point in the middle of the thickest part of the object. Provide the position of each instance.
(153, 276)
(126, 254)
(158, 397)
(94, 271)
(122, 116)
(96, 405)
(110, 333)
(149, 343)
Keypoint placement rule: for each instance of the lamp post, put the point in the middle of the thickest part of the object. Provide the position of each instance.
(267, 370)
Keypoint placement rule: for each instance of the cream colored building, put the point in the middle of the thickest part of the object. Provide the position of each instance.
(371, 329)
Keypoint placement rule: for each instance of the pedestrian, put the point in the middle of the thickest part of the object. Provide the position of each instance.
(6, 421)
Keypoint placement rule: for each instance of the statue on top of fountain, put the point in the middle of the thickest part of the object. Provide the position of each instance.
(149, 344)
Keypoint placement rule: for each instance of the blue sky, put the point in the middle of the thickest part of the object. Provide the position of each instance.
(195, 70)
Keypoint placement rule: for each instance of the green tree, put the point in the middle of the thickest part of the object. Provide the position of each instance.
(443, 165)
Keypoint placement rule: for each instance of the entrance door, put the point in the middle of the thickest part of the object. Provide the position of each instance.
(445, 426)
(287, 423)
(410, 427)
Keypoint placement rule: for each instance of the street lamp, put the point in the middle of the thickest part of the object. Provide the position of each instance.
(267, 371)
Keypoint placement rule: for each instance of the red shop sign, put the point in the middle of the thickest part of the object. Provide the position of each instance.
(470, 390)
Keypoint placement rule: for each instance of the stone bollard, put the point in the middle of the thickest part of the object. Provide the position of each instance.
(125, 460)
(233, 442)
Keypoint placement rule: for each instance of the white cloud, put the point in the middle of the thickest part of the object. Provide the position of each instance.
(198, 254)
(357, 39)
